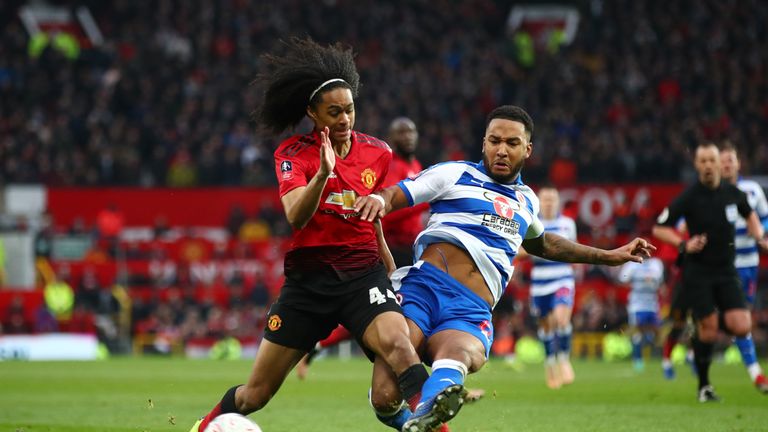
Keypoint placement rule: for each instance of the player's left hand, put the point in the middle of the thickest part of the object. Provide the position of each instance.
(370, 207)
(637, 250)
(763, 244)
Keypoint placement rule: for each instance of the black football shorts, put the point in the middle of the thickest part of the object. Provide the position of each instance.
(709, 290)
(302, 315)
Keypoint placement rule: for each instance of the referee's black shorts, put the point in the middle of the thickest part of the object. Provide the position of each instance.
(310, 306)
(707, 290)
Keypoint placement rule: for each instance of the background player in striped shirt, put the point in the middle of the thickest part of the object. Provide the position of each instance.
(481, 214)
(747, 255)
(552, 293)
(645, 280)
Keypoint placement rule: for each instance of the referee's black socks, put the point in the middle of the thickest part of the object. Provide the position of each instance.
(702, 358)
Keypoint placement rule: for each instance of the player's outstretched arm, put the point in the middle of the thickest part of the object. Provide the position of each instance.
(557, 248)
(380, 203)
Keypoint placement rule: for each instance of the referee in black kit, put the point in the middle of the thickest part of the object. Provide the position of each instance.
(710, 284)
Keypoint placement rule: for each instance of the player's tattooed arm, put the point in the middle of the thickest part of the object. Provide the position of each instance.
(557, 248)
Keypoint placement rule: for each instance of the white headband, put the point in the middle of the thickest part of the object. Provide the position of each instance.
(325, 84)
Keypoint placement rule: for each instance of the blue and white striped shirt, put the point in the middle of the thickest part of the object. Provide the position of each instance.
(549, 276)
(488, 219)
(645, 279)
(746, 248)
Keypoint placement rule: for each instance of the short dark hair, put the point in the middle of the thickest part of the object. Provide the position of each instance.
(293, 76)
(728, 146)
(707, 144)
(514, 113)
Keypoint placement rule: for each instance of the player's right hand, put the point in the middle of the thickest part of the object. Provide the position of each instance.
(696, 243)
(327, 155)
(370, 207)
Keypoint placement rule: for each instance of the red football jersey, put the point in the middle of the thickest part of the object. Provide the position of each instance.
(402, 226)
(335, 236)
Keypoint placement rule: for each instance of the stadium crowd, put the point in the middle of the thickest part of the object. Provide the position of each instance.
(167, 95)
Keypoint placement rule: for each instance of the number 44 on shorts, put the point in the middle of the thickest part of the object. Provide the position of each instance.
(377, 297)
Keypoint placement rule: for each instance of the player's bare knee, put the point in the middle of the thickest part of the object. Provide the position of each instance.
(385, 400)
(738, 322)
(477, 360)
(740, 328)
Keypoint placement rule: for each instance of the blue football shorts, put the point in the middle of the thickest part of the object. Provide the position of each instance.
(542, 306)
(643, 318)
(435, 302)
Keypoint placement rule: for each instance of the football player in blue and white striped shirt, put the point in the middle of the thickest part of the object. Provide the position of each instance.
(481, 214)
(552, 293)
(747, 255)
(645, 280)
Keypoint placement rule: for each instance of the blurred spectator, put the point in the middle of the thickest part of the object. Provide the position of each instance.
(254, 229)
(78, 227)
(162, 270)
(624, 218)
(589, 317)
(160, 228)
(43, 245)
(614, 313)
(89, 291)
(81, 321)
(59, 298)
(182, 171)
(14, 320)
(235, 220)
(44, 321)
(278, 224)
(259, 295)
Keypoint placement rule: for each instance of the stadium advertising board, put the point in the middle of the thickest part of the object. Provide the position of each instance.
(53, 346)
(598, 205)
(595, 205)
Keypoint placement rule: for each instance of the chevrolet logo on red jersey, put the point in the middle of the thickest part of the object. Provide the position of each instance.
(368, 176)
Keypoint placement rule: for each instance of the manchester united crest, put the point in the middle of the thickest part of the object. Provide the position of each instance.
(274, 322)
(369, 178)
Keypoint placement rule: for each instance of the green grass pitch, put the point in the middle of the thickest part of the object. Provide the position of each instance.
(115, 395)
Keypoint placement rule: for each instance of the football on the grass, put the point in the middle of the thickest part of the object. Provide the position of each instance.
(232, 423)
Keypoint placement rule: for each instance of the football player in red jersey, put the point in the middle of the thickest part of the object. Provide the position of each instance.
(335, 270)
(401, 227)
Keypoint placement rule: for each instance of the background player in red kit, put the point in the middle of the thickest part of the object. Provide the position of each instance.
(334, 270)
(401, 227)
